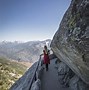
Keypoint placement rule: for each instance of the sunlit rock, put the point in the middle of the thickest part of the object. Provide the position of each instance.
(71, 42)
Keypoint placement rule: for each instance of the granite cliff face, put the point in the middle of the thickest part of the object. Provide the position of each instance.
(71, 42)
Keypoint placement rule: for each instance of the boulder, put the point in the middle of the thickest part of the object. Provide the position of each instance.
(36, 85)
(69, 79)
(64, 74)
(77, 84)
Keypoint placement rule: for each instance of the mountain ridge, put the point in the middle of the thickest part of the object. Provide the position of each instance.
(23, 51)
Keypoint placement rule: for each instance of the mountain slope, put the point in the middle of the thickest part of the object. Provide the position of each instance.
(10, 72)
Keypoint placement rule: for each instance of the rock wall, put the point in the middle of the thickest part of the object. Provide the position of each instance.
(68, 78)
(71, 42)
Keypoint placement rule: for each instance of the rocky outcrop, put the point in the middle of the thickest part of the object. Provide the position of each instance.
(69, 79)
(71, 42)
(36, 85)
(76, 83)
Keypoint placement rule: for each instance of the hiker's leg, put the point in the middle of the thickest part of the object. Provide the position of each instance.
(46, 67)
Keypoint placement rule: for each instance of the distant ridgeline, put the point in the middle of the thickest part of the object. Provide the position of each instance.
(28, 51)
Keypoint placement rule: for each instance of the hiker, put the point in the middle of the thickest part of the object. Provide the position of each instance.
(46, 59)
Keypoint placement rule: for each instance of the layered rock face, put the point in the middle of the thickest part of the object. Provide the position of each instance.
(71, 42)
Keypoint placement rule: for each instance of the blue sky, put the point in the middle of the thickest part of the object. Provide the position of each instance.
(27, 20)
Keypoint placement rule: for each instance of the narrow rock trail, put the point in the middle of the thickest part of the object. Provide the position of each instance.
(50, 79)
